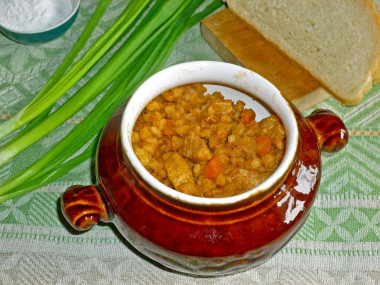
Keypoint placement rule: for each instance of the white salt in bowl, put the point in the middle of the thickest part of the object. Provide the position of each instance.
(36, 21)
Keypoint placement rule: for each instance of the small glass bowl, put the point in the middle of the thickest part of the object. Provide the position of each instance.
(44, 35)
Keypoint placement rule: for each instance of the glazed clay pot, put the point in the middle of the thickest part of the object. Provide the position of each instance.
(206, 236)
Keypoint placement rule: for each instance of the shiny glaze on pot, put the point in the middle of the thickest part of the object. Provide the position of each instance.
(204, 240)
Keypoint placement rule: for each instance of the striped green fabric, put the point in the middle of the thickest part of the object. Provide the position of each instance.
(339, 243)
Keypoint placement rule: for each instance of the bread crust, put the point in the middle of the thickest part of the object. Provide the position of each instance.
(376, 72)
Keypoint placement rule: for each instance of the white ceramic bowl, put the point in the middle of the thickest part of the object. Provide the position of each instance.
(216, 75)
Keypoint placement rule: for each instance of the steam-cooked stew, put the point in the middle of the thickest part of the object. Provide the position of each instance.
(205, 145)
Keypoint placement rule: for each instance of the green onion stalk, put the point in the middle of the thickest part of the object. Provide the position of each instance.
(143, 53)
(157, 20)
(49, 95)
(79, 45)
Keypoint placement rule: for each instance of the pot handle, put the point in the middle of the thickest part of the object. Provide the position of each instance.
(330, 130)
(83, 207)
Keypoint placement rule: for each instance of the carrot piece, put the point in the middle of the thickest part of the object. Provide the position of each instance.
(263, 144)
(213, 168)
(246, 116)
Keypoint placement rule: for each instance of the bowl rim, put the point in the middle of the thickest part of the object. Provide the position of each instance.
(73, 12)
(240, 78)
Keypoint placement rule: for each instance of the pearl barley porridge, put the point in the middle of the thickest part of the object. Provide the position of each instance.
(204, 145)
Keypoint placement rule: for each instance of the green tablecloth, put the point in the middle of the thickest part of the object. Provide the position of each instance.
(339, 243)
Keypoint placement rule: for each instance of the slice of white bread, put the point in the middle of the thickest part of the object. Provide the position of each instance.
(338, 42)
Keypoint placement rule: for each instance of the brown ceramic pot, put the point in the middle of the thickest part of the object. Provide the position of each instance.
(206, 236)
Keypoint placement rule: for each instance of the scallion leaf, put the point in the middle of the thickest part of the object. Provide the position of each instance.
(156, 36)
(80, 68)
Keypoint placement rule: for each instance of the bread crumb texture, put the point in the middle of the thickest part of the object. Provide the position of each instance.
(338, 42)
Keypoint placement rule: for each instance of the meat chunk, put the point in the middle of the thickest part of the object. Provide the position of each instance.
(217, 110)
(195, 148)
(220, 108)
(177, 169)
